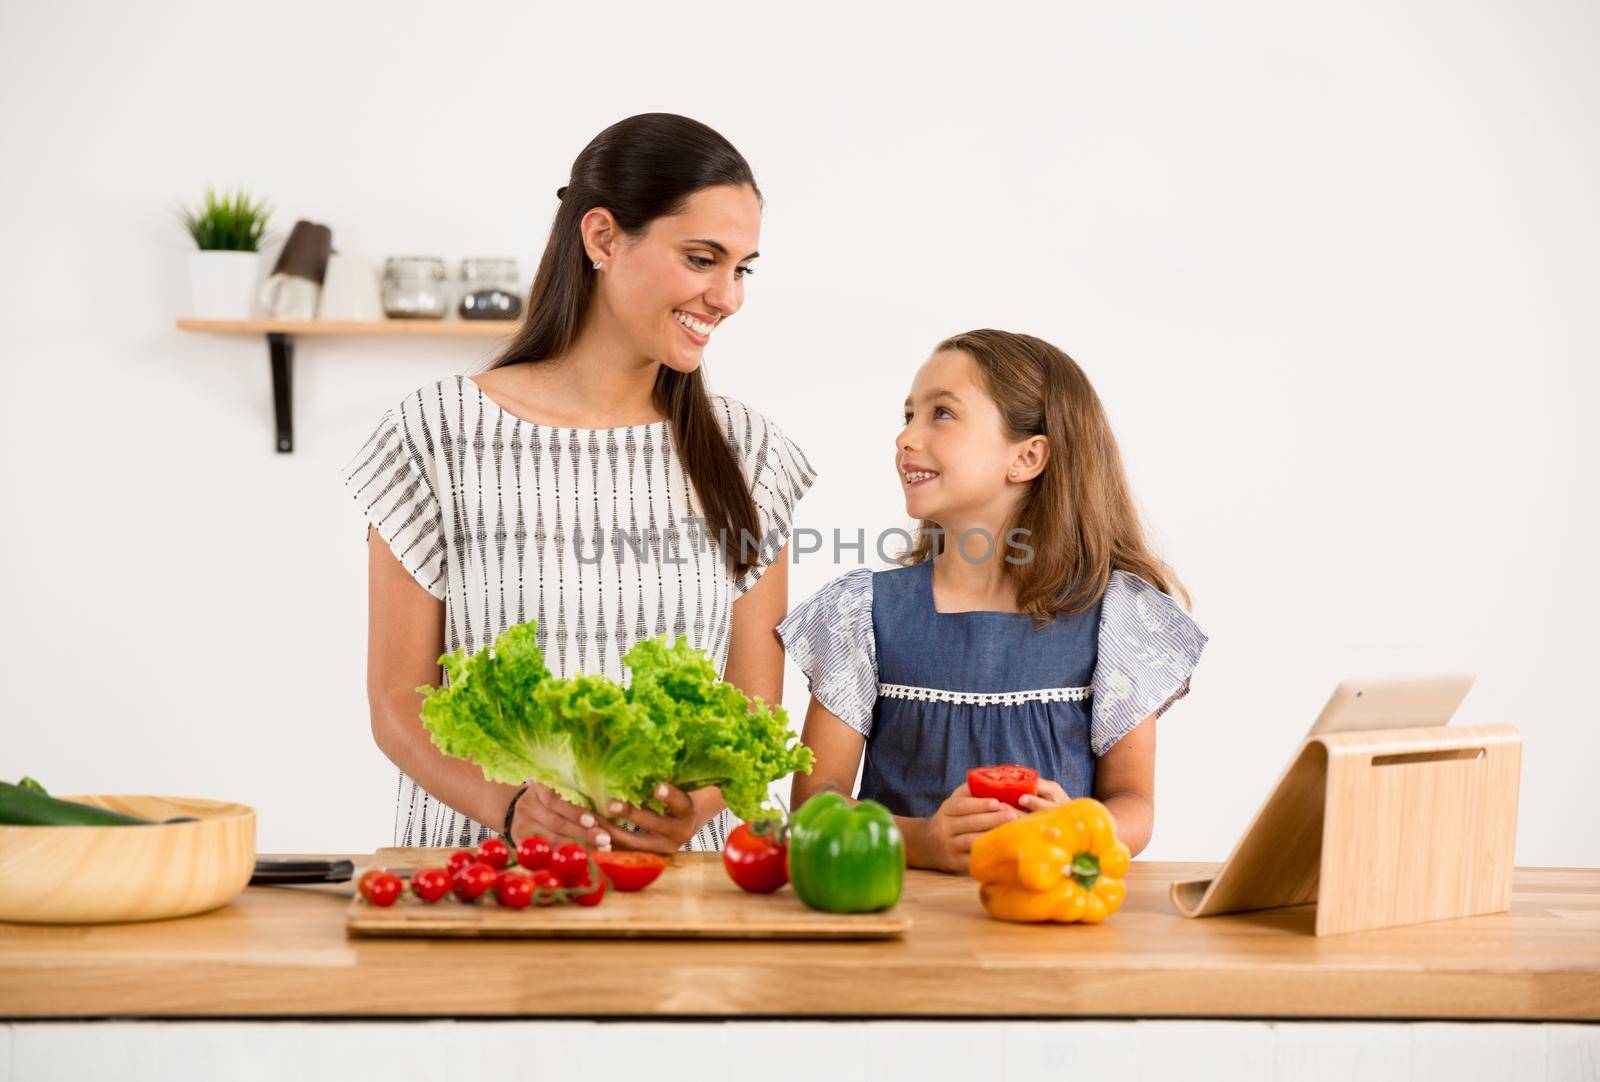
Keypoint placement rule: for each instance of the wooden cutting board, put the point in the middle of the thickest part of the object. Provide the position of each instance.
(693, 899)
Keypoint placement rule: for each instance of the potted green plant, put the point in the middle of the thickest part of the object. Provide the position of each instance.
(227, 229)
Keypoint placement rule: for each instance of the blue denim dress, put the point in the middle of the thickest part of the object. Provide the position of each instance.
(936, 694)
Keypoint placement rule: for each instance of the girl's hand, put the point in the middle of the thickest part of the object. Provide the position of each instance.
(661, 833)
(541, 810)
(951, 830)
(1048, 795)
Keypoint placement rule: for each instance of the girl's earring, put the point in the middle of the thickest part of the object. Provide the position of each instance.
(598, 263)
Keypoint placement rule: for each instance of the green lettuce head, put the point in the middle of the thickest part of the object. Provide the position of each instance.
(594, 741)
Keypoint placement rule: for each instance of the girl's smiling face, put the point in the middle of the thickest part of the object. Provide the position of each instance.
(668, 288)
(954, 455)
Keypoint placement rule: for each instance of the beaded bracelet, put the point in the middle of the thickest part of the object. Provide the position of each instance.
(511, 809)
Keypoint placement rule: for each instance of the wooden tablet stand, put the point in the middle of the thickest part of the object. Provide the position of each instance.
(1379, 828)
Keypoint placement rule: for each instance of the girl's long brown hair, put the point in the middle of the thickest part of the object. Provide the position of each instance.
(1079, 513)
(641, 169)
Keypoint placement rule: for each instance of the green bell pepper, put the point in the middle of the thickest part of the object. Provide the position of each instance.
(845, 859)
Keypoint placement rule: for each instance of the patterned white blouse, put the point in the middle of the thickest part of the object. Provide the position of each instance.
(595, 533)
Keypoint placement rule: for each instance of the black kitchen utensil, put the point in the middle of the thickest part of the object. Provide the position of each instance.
(272, 873)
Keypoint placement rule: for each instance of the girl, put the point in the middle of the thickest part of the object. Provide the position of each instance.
(580, 481)
(1031, 624)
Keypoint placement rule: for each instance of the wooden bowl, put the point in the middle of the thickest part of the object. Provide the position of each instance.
(92, 875)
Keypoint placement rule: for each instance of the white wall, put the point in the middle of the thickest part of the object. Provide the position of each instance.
(1332, 271)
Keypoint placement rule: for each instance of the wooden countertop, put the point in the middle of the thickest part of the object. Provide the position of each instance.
(283, 951)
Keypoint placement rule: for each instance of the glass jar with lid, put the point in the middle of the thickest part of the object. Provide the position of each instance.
(415, 287)
(489, 289)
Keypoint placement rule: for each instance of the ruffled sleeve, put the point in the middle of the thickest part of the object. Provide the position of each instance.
(779, 476)
(389, 481)
(829, 636)
(1148, 647)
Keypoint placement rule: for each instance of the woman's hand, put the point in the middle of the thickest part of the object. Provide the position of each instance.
(541, 810)
(1047, 795)
(948, 834)
(660, 833)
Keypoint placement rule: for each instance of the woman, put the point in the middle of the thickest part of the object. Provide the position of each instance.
(589, 482)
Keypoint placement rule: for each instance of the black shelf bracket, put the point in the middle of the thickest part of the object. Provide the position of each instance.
(281, 347)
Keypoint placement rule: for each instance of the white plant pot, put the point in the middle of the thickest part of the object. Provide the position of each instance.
(222, 285)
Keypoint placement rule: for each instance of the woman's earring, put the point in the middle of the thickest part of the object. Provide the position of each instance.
(597, 264)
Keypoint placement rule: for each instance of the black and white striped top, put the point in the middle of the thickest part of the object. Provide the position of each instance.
(590, 532)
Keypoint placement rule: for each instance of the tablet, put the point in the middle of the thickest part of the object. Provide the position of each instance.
(1396, 703)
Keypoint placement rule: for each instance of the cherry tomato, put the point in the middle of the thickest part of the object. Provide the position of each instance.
(495, 853)
(546, 887)
(384, 888)
(470, 882)
(364, 884)
(630, 870)
(534, 852)
(514, 890)
(1008, 784)
(756, 859)
(458, 860)
(595, 892)
(570, 864)
(430, 884)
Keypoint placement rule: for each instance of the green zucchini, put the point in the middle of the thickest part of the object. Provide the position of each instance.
(21, 806)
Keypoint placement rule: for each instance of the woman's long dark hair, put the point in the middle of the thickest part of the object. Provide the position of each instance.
(641, 169)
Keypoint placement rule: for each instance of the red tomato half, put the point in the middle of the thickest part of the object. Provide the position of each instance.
(631, 870)
(1005, 783)
(757, 862)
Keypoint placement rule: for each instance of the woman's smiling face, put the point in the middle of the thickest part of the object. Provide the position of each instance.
(670, 287)
(953, 455)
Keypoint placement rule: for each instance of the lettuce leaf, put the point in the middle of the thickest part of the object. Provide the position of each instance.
(721, 740)
(594, 741)
(613, 749)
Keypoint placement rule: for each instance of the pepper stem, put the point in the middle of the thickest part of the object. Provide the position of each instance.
(1086, 869)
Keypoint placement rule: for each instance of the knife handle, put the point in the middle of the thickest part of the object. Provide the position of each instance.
(275, 872)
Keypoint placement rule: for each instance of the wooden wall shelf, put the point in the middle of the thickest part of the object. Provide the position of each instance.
(422, 328)
(280, 345)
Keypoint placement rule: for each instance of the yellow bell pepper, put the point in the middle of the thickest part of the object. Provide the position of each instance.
(1062, 864)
